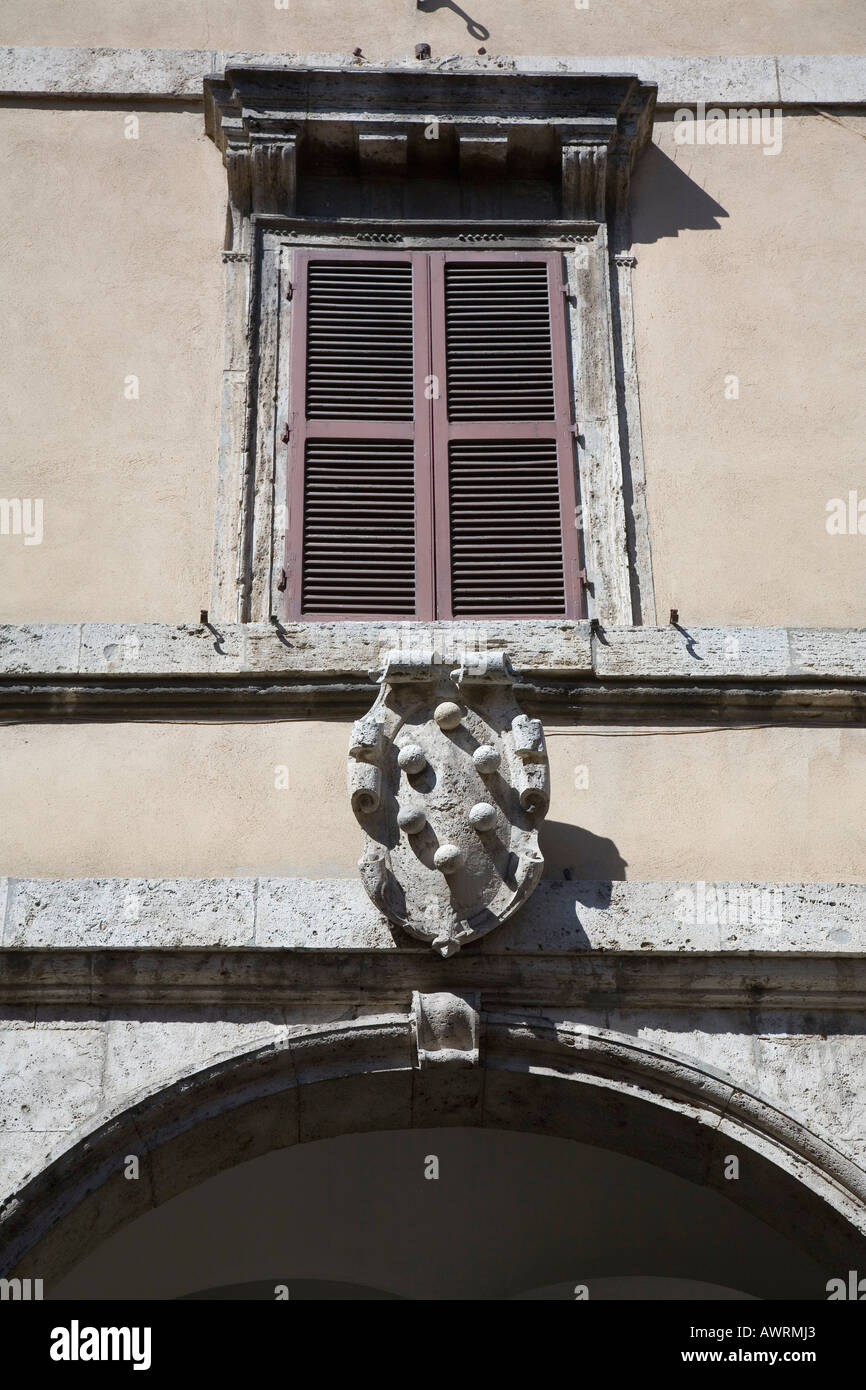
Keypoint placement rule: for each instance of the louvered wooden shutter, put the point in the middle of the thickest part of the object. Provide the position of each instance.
(431, 454)
(359, 536)
(506, 541)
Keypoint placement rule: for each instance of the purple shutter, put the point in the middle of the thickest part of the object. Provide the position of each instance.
(504, 467)
(431, 448)
(359, 541)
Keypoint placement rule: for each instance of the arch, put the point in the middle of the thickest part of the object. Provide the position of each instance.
(567, 1080)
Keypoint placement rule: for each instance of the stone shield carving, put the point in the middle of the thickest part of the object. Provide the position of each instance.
(450, 782)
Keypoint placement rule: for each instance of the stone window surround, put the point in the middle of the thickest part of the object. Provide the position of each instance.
(258, 117)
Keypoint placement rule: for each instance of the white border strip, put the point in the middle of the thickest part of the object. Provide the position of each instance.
(117, 73)
(692, 652)
(336, 914)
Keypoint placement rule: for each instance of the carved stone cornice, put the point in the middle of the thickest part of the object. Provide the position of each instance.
(243, 976)
(273, 123)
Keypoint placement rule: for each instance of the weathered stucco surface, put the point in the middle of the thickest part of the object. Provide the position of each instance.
(201, 799)
(110, 268)
(740, 273)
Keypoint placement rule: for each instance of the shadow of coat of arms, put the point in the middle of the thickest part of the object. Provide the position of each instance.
(450, 783)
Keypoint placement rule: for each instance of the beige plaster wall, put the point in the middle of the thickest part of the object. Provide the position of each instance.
(109, 268)
(391, 28)
(748, 265)
(201, 800)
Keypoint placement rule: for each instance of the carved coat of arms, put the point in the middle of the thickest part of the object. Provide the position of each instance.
(450, 782)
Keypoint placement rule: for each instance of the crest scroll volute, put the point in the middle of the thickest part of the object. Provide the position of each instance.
(450, 783)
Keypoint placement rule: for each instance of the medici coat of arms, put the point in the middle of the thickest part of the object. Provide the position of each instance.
(450, 782)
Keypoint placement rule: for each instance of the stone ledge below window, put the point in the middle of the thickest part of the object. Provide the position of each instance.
(686, 652)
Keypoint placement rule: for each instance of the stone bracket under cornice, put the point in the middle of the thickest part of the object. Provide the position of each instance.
(273, 123)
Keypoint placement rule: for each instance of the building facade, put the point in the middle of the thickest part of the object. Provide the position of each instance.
(432, 661)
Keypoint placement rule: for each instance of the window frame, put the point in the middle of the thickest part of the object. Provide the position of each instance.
(274, 125)
(249, 581)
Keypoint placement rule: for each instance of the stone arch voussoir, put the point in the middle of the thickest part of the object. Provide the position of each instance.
(536, 1075)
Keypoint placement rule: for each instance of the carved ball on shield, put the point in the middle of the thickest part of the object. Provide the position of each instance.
(412, 819)
(448, 858)
(482, 816)
(447, 715)
(412, 758)
(486, 758)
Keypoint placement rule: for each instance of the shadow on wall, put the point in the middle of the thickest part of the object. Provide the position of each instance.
(665, 201)
(572, 852)
(478, 31)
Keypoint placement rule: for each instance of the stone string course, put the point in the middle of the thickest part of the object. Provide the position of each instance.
(698, 653)
(562, 916)
(133, 73)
